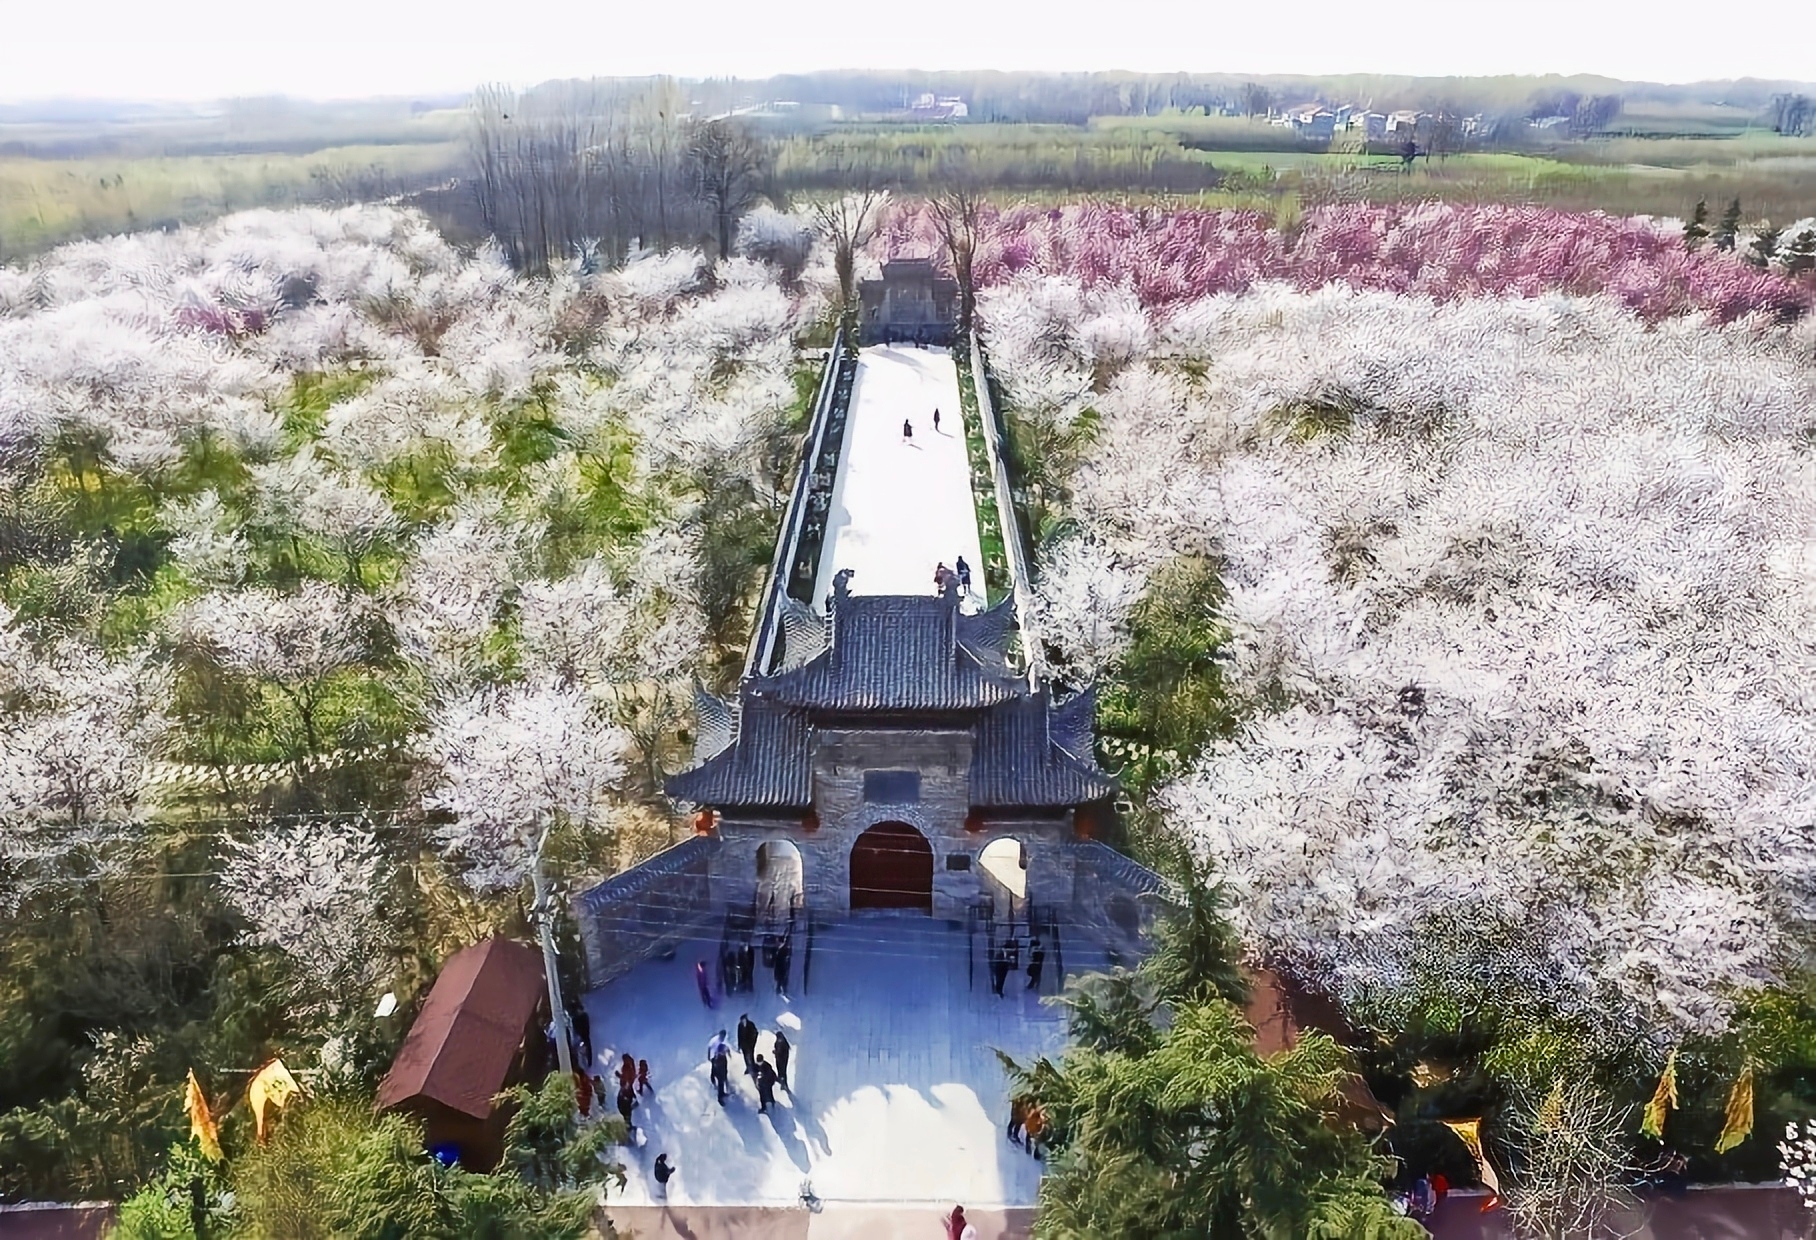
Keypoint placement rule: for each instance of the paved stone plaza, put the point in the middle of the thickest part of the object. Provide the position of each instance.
(898, 1096)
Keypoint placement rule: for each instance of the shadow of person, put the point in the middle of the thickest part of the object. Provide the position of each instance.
(678, 1224)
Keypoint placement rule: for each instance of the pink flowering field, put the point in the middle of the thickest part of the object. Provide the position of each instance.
(1439, 250)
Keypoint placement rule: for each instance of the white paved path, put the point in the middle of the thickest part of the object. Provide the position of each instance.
(902, 508)
(898, 1096)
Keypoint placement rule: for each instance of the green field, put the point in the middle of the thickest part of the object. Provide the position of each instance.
(47, 201)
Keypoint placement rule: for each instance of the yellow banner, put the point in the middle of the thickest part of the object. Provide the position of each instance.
(272, 1087)
(1739, 1120)
(1469, 1131)
(1663, 1099)
(201, 1124)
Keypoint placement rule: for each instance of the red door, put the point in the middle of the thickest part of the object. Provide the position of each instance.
(892, 867)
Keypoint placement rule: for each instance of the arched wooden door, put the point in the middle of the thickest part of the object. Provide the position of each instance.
(892, 867)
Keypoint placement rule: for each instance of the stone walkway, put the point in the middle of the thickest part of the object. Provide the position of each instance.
(899, 1097)
(899, 509)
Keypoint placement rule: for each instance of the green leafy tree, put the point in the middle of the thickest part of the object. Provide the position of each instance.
(1697, 230)
(1165, 1122)
(1728, 227)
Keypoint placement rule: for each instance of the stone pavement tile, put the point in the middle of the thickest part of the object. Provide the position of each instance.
(708, 1222)
(914, 1223)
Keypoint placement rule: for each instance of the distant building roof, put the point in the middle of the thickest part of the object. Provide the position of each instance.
(460, 1050)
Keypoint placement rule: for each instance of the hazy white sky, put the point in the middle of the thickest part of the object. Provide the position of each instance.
(203, 49)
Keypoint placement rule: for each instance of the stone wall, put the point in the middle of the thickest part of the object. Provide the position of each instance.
(649, 910)
(842, 759)
(1115, 901)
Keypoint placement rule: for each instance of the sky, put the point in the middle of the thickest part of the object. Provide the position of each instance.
(324, 49)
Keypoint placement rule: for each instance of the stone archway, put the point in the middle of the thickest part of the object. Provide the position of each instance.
(892, 867)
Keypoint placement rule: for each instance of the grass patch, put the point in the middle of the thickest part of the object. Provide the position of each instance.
(983, 485)
(44, 202)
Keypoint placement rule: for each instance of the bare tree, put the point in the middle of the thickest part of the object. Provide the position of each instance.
(957, 209)
(1573, 1161)
(728, 164)
(849, 221)
(1256, 98)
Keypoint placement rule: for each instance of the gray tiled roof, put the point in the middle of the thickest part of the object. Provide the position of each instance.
(903, 653)
(1016, 760)
(769, 764)
(899, 657)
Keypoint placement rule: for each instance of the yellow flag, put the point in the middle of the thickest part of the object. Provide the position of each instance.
(1663, 1099)
(1469, 1131)
(201, 1124)
(1739, 1120)
(272, 1087)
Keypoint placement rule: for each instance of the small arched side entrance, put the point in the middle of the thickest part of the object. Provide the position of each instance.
(779, 881)
(1003, 864)
(892, 867)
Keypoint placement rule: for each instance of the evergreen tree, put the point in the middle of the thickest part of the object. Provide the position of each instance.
(1800, 254)
(1697, 230)
(1765, 245)
(1165, 1122)
(1728, 227)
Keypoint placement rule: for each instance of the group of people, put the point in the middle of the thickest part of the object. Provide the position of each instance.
(908, 427)
(944, 577)
(765, 1074)
(633, 1081)
(580, 1036)
(1005, 958)
(1027, 1124)
(1425, 1196)
(738, 968)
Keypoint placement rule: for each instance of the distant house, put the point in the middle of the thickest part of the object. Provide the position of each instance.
(479, 1032)
(931, 107)
(1548, 122)
(1315, 124)
(1374, 126)
(1402, 124)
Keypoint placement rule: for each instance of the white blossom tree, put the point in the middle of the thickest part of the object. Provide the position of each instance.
(512, 761)
(293, 642)
(1531, 579)
(78, 734)
(314, 891)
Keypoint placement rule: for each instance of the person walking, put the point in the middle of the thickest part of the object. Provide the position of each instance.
(942, 577)
(706, 990)
(783, 1051)
(718, 1054)
(627, 1073)
(747, 968)
(664, 1172)
(964, 574)
(747, 1043)
(907, 431)
(1034, 1123)
(958, 1227)
(784, 955)
(1037, 960)
(1018, 1119)
(936, 421)
(582, 1025)
(999, 968)
(766, 1085)
(643, 1085)
(627, 1102)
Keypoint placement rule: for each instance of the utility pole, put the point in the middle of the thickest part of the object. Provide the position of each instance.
(544, 912)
